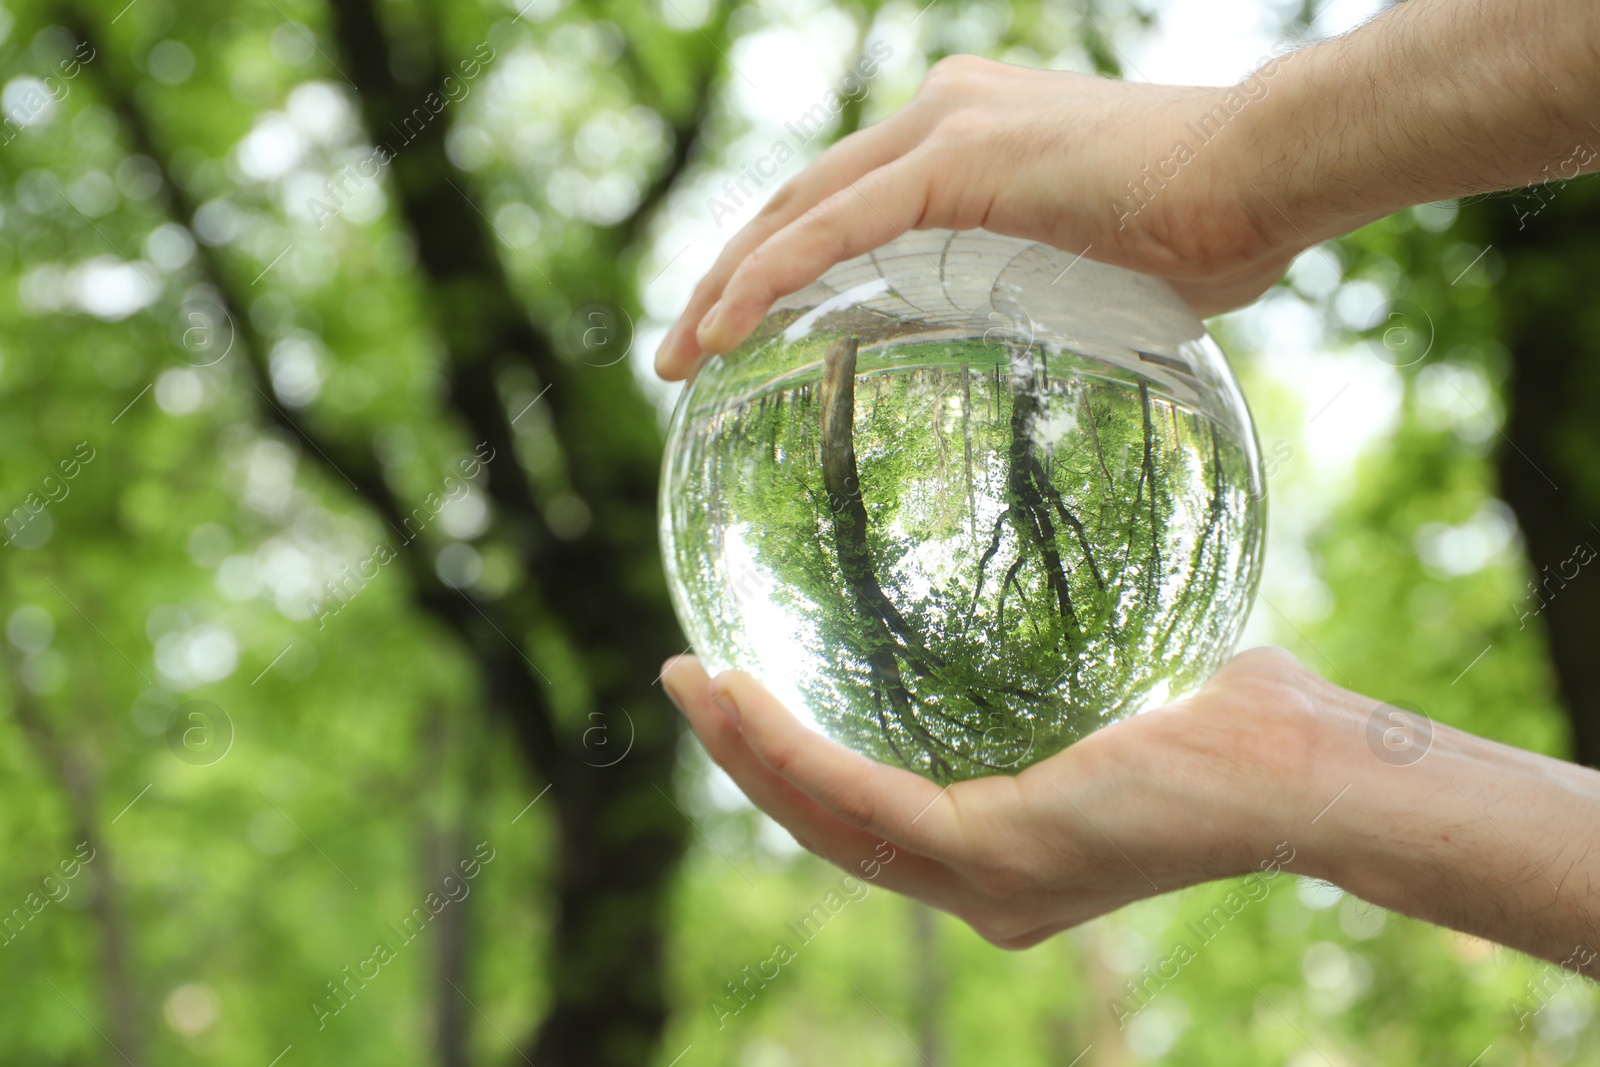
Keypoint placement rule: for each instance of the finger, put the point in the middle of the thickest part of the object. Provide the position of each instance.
(861, 853)
(865, 214)
(885, 801)
(856, 155)
(846, 161)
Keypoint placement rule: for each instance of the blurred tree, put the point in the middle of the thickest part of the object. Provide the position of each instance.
(75, 776)
(139, 188)
(619, 843)
(1550, 326)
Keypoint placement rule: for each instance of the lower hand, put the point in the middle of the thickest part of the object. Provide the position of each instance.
(1162, 800)
(1265, 767)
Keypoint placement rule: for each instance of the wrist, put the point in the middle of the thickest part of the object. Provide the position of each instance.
(1438, 824)
(1288, 160)
(1254, 166)
(1236, 759)
(1235, 213)
(1367, 797)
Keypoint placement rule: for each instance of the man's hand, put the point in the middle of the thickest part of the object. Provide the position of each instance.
(1422, 102)
(1213, 189)
(1268, 767)
(1081, 163)
(1163, 800)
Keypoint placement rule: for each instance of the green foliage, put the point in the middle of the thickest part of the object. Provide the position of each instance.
(185, 559)
(1003, 549)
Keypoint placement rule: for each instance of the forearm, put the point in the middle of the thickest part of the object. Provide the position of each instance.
(1460, 831)
(1430, 100)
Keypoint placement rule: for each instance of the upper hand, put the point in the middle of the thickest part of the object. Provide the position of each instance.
(1045, 155)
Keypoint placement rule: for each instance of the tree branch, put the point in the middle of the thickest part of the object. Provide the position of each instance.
(530, 717)
(687, 134)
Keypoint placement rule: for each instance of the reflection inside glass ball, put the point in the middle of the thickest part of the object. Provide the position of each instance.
(964, 501)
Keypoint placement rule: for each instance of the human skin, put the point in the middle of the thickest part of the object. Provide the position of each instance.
(1432, 99)
(1267, 760)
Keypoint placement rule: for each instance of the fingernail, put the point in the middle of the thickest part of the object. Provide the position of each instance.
(725, 702)
(668, 344)
(672, 693)
(709, 324)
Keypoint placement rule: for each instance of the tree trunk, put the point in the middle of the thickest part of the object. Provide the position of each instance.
(119, 1002)
(446, 840)
(451, 1022)
(885, 637)
(1546, 461)
(618, 842)
(928, 984)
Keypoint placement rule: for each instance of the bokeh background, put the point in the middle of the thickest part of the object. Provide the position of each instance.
(333, 609)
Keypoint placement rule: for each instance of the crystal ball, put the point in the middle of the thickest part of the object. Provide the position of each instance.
(965, 500)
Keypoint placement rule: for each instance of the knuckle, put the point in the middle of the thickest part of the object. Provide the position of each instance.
(1274, 675)
(855, 807)
(1270, 655)
(754, 290)
(823, 230)
(757, 265)
(782, 201)
(707, 290)
(1022, 941)
(962, 126)
(957, 69)
(751, 285)
(1002, 931)
(781, 758)
(721, 743)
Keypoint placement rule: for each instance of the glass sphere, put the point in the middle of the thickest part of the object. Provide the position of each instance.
(965, 500)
